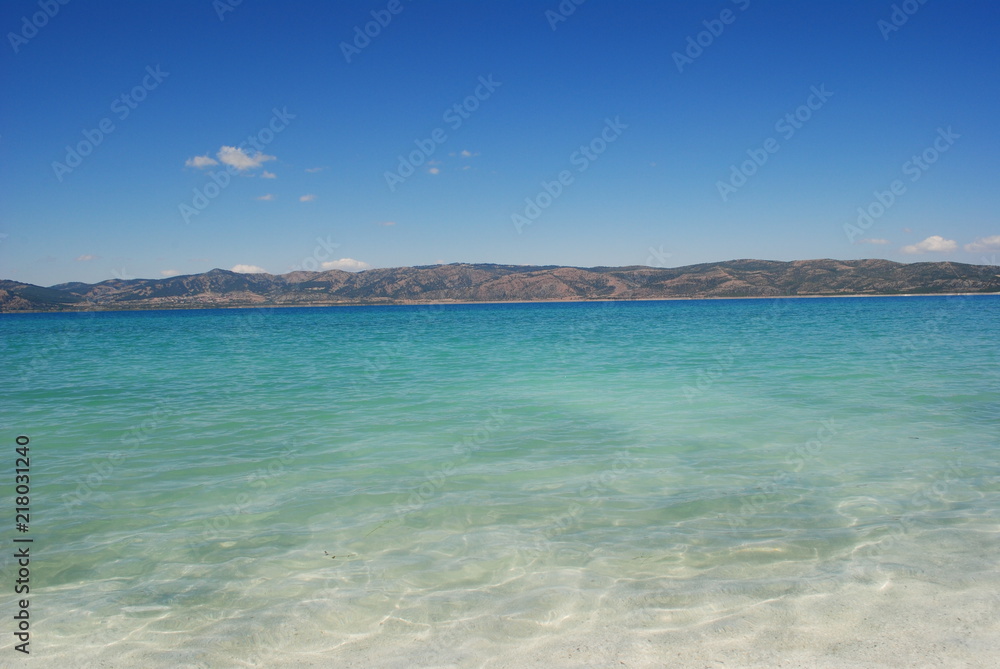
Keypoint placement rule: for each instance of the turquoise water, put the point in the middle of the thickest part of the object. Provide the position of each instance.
(647, 484)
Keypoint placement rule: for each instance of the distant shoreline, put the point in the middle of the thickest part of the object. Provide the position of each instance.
(419, 303)
(464, 283)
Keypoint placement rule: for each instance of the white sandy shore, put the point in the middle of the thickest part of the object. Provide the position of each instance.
(887, 616)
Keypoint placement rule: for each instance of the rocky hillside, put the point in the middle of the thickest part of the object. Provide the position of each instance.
(488, 283)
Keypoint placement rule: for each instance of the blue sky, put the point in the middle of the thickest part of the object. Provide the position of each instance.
(617, 133)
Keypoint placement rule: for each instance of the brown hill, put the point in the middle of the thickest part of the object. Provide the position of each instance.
(492, 283)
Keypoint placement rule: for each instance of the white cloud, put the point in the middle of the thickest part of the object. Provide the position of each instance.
(169, 272)
(268, 175)
(200, 161)
(434, 170)
(85, 257)
(386, 224)
(247, 269)
(314, 169)
(872, 241)
(984, 244)
(307, 198)
(269, 196)
(347, 264)
(933, 244)
(240, 159)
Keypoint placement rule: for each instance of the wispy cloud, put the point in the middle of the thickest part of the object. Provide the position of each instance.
(984, 244)
(312, 170)
(434, 170)
(386, 224)
(268, 175)
(200, 161)
(169, 272)
(85, 257)
(241, 160)
(933, 244)
(307, 198)
(269, 196)
(871, 240)
(247, 269)
(347, 264)
(235, 157)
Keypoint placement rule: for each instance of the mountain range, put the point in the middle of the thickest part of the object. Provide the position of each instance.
(463, 282)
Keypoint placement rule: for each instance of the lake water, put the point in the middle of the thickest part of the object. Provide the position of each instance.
(676, 483)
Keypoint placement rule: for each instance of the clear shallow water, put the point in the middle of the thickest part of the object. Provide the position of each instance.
(665, 483)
